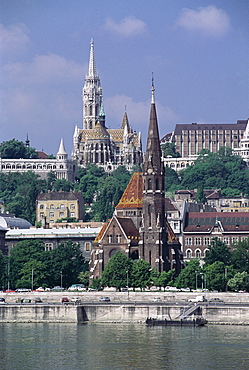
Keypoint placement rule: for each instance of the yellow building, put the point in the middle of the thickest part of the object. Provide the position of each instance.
(53, 206)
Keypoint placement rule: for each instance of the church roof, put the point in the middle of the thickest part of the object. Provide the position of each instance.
(129, 228)
(132, 196)
(171, 235)
(117, 135)
(99, 132)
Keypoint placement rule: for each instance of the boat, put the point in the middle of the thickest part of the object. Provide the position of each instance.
(199, 321)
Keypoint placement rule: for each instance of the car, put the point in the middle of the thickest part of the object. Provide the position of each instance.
(22, 290)
(77, 287)
(64, 300)
(38, 300)
(26, 300)
(156, 299)
(57, 288)
(92, 290)
(198, 298)
(2, 301)
(40, 289)
(216, 300)
(75, 300)
(104, 299)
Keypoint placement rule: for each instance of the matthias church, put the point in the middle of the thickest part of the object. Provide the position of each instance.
(97, 144)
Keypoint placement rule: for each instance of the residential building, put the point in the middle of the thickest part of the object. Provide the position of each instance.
(53, 206)
(202, 227)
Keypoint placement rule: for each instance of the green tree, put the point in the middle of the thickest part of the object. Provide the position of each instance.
(240, 256)
(171, 179)
(240, 281)
(115, 272)
(3, 270)
(14, 149)
(169, 150)
(84, 278)
(217, 251)
(215, 276)
(63, 185)
(200, 196)
(166, 278)
(187, 277)
(140, 274)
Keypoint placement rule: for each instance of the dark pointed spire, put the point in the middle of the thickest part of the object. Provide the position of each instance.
(153, 149)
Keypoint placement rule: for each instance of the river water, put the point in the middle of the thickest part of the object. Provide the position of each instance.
(122, 346)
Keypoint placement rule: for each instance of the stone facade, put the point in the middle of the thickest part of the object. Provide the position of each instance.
(97, 144)
(63, 167)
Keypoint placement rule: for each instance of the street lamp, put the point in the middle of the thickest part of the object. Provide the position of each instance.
(127, 283)
(61, 278)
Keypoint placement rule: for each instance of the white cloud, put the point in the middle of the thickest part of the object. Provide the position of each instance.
(13, 37)
(128, 26)
(209, 20)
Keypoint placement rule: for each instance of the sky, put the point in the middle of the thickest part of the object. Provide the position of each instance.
(197, 50)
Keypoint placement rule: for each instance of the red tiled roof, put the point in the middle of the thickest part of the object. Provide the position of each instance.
(132, 196)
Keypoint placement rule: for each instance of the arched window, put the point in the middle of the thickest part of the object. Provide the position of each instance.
(90, 110)
(149, 184)
(88, 246)
(189, 253)
(198, 253)
(112, 252)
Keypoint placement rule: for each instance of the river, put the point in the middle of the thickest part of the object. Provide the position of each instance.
(49, 346)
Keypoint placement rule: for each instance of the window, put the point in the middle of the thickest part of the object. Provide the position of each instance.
(206, 241)
(235, 239)
(226, 240)
(149, 184)
(72, 206)
(189, 253)
(118, 238)
(109, 238)
(48, 246)
(51, 214)
(51, 206)
(198, 253)
(41, 214)
(188, 241)
(198, 241)
(175, 225)
(88, 246)
(42, 206)
(61, 214)
(72, 214)
(62, 206)
(112, 252)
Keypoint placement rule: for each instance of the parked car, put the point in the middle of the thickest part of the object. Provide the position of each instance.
(38, 300)
(216, 300)
(156, 299)
(77, 287)
(57, 288)
(26, 300)
(75, 300)
(198, 298)
(64, 300)
(2, 301)
(22, 290)
(104, 299)
(19, 300)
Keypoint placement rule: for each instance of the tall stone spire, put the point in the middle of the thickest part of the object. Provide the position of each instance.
(153, 154)
(92, 68)
(91, 94)
(153, 243)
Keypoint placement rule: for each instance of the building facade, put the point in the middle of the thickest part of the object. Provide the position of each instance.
(139, 227)
(97, 144)
(63, 167)
(52, 206)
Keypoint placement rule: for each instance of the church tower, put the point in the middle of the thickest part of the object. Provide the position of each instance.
(91, 94)
(153, 232)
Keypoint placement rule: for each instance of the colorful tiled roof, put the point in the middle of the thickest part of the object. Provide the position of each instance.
(132, 197)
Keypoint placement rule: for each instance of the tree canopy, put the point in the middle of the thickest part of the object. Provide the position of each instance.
(14, 149)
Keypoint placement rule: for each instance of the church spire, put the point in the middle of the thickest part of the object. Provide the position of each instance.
(153, 149)
(92, 68)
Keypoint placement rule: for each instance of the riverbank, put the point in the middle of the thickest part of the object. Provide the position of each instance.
(122, 308)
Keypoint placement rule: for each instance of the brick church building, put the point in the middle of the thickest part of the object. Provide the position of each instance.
(139, 227)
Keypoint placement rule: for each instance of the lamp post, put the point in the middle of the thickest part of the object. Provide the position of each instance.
(196, 280)
(61, 278)
(127, 283)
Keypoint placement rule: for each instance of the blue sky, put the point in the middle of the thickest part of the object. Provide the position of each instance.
(197, 50)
